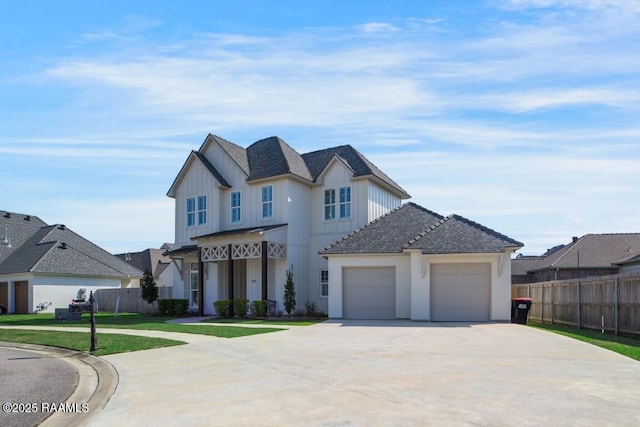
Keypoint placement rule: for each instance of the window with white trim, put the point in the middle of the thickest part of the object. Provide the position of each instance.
(345, 202)
(324, 283)
(267, 201)
(330, 204)
(191, 211)
(236, 207)
(202, 210)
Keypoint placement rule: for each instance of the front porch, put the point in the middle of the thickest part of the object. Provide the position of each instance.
(235, 264)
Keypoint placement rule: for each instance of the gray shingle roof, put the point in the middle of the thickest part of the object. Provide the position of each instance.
(240, 231)
(459, 235)
(317, 161)
(153, 260)
(57, 250)
(413, 227)
(387, 234)
(272, 157)
(595, 251)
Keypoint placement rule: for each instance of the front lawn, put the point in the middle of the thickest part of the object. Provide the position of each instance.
(629, 347)
(81, 341)
(133, 321)
(281, 321)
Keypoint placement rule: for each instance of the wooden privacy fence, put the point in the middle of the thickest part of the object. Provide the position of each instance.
(610, 303)
(130, 299)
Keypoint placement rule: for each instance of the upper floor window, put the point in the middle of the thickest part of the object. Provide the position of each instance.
(236, 207)
(267, 201)
(202, 210)
(345, 202)
(191, 211)
(324, 283)
(330, 203)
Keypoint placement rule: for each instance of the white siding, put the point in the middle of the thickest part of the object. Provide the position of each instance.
(198, 181)
(380, 201)
(60, 290)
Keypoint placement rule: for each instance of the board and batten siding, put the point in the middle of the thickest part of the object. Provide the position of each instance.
(380, 201)
(197, 182)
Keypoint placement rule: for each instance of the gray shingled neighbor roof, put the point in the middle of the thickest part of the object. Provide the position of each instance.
(153, 260)
(57, 250)
(593, 251)
(413, 227)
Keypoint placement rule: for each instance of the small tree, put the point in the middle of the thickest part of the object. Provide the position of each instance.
(149, 288)
(289, 293)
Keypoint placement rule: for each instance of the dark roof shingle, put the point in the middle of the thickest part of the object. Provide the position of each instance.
(413, 227)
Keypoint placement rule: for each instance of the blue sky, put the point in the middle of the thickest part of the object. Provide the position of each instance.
(522, 115)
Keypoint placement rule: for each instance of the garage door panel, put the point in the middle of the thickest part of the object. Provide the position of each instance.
(461, 292)
(368, 293)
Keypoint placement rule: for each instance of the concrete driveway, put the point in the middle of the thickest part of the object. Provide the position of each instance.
(377, 374)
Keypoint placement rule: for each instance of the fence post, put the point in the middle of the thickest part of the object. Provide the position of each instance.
(616, 296)
(542, 303)
(579, 320)
(553, 299)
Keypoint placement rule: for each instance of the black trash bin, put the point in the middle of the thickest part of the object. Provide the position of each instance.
(520, 310)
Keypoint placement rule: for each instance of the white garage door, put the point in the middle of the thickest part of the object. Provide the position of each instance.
(460, 292)
(369, 293)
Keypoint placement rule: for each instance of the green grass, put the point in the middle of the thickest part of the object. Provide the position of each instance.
(81, 341)
(283, 322)
(133, 321)
(629, 347)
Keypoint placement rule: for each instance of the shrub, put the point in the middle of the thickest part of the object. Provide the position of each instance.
(164, 306)
(173, 306)
(222, 307)
(240, 307)
(149, 288)
(180, 306)
(259, 308)
(311, 307)
(289, 293)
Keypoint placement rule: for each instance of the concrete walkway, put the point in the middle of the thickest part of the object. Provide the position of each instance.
(375, 373)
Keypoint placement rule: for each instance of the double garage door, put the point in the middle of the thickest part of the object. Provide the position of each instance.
(459, 292)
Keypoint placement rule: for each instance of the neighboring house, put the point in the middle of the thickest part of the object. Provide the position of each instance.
(246, 216)
(249, 215)
(156, 261)
(629, 264)
(413, 263)
(43, 266)
(589, 255)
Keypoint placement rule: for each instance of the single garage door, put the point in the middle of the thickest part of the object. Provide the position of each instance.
(461, 292)
(369, 292)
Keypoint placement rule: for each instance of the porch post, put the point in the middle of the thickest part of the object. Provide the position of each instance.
(265, 266)
(200, 283)
(231, 297)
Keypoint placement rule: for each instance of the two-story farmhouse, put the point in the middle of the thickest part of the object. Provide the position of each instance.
(251, 214)
(243, 217)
